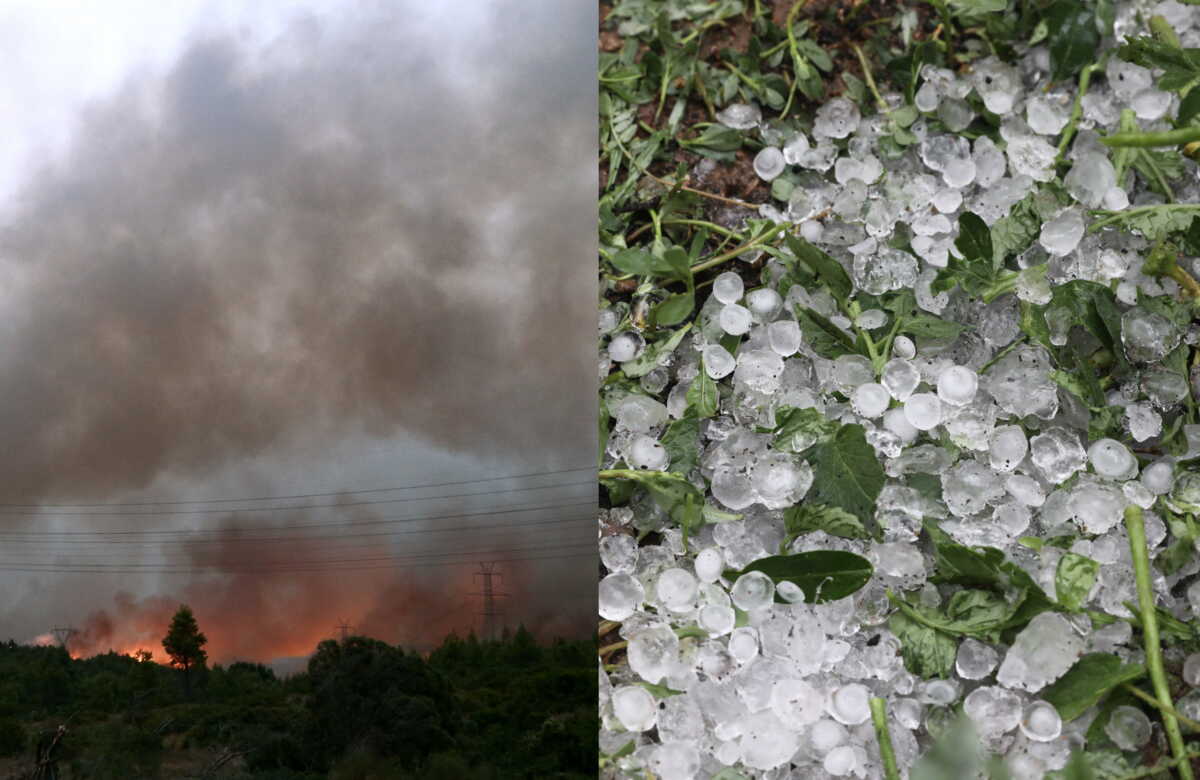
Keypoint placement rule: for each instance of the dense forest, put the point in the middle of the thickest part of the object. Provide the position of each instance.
(363, 709)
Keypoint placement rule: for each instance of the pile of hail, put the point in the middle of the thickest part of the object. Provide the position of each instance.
(907, 483)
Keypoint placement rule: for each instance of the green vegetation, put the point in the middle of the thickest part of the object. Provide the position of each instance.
(363, 708)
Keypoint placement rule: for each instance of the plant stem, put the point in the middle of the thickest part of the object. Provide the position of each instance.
(1085, 78)
(1154, 770)
(1190, 286)
(737, 250)
(794, 50)
(1183, 135)
(1117, 216)
(1138, 692)
(879, 715)
(870, 79)
(614, 647)
(1136, 527)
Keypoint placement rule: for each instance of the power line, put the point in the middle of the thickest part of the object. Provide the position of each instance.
(503, 532)
(284, 564)
(174, 512)
(371, 567)
(290, 539)
(390, 520)
(302, 495)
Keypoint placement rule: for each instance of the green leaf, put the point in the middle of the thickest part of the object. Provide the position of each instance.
(1154, 222)
(822, 336)
(649, 359)
(716, 138)
(605, 417)
(828, 270)
(659, 691)
(847, 474)
(1073, 39)
(926, 651)
(926, 328)
(671, 492)
(1087, 682)
(674, 309)
(1074, 578)
(805, 518)
(638, 262)
(823, 575)
(808, 424)
(702, 394)
(967, 9)
(682, 442)
(974, 240)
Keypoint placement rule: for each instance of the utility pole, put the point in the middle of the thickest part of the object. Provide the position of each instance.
(63, 635)
(344, 630)
(490, 614)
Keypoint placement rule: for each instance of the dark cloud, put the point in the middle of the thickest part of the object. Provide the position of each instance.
(341, 234)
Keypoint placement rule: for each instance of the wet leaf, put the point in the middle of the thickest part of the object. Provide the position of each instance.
(823, 575)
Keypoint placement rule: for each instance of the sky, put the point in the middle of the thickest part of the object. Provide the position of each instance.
(331, 250)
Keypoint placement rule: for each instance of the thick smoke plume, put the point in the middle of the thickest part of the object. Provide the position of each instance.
(338, 235)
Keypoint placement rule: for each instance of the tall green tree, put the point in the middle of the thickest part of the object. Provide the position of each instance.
(185, 645)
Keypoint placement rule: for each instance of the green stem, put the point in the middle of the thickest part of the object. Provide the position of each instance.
(886, 752)
(1190, 286)
(1154, 770)
(1117, 216)
(1182, 135)
(737, 250)
(794, 50)
(1085, 79)
(870, 79)
(615, 646)
(1138, 692)
(1136, 527)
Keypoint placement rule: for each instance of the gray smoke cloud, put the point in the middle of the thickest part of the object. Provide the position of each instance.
(356, 231)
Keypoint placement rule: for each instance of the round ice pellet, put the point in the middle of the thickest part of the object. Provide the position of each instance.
(903, 347)
(619, 595)
(718, 363)
(716, 619)
(994, 710)
(975, 660)
(870, 400)
(709, 564)
(840, 761)
(1191, 670)
(923, 410)
(826, 734)
(790, 592)
(735, 319)
(784, 336)
(1112, 459)
(743, 644)
(957, 385)
(764, 303)
(812, 230)
(895, 421)
(635, 707)
(752, 590)
(1128, 727)
(677, 589)
(626, 346)
(850, 704)
(1007, 447)
(769, 163)
(939, 692)
(1041, 722)
(728, 288)
(647, 453)
(900, 377)
(1159, 477)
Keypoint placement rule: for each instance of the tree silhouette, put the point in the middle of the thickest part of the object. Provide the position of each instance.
(185, 645)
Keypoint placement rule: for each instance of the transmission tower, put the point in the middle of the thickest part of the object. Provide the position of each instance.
(63, 635)
(343, 630)
(491, 615)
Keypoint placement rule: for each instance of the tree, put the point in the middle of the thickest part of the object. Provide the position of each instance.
(185, 645)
